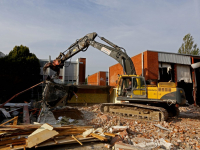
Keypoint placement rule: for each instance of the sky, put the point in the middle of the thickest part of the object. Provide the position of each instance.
(49, 27)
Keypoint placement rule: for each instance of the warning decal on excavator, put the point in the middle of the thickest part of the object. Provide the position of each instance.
(105, 50)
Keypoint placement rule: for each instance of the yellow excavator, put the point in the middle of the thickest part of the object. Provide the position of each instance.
(154, 103)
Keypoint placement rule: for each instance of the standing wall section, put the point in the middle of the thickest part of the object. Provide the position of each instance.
(102, 78)
(114, 71)
(151, 65)
(137, 61)
(92, 79)
(82, 69)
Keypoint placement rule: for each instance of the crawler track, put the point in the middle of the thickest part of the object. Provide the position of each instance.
(138, 111)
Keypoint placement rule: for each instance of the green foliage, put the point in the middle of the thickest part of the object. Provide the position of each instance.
(188, 46)
(20, 70)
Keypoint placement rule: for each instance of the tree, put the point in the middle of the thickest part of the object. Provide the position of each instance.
(19, 70)
(188, 46)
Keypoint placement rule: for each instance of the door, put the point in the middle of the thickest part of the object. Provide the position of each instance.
(139, 87)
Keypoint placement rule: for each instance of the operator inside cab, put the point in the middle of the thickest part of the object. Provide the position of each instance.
(129, 86)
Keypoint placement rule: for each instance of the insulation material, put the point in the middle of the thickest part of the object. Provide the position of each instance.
(183, 73)
(165, 65)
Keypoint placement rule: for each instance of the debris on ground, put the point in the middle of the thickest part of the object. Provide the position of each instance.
(82, 124)
(40, 135)
(176, 133)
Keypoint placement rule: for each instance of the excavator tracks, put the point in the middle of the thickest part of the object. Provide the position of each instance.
(137, 111)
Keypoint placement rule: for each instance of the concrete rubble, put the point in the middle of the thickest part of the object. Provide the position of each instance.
(90, 124)
(176, 133)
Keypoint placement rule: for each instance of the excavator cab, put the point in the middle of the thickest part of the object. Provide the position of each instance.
(132, 86)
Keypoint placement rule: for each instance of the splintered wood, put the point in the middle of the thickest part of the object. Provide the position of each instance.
(13, 119)
(39, 135)
(42, 134)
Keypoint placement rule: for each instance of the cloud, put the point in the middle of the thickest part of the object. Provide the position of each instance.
(48, 27)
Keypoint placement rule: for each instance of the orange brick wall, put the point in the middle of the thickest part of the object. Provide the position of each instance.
(102, 78)
(113, 74)
(150, 67)
(82, 67)
(92, 79)
(137, 61)
(98, 78)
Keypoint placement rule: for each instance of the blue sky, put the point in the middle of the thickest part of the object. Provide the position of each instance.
(49, 27)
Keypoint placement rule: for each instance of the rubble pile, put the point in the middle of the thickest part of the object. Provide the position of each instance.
(87, 123)
(190, 109)
(190, 112)
(177, 133)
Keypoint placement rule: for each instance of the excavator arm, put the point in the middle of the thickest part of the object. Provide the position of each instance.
(82, 44)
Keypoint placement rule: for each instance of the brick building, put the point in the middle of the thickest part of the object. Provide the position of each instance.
(164, 67)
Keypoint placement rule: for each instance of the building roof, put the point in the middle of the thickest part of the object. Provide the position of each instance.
(174, 53)
(177, 58)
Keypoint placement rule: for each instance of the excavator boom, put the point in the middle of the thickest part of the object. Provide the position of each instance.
(82, 44)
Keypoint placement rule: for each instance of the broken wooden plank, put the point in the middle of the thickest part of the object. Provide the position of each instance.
(35, 126)
(55, 140)
(15, 118)
(73, 127)
(15, 121)
(69, 132)
(26, 117)
(13, 137)
(15, 147)
(40, 137)
(19, 133)
(77, 140)
(110, 134)
(23, 127)
(67, 140)
(102, 138)
(8, 129)
(87, 132)
(42, 134)
(43, 127)
(13, 141)
(2, 132)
